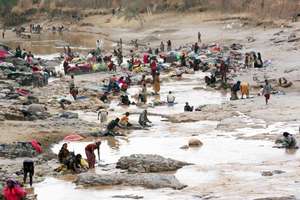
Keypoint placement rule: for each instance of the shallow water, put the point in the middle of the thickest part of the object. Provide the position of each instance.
(216, 150)
(52, 186)
(224, 166)
(184, 91)
(51, 43)
(220, 159)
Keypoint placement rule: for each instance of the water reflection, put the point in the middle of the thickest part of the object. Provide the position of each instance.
(49, 43)
(291, 151)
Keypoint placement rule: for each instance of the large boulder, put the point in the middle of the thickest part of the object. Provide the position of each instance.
(35, 112)
(36, 108)
(194, 142)
(23, 78)
(18, 149)
(152, 181)
(145, 163)
(20, 64)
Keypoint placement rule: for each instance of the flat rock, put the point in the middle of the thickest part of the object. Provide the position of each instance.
(69, 115)
(184, 147)
(278, 198)
(267, 173)
(152, 181)
(129, 196)
(271, 173)
(36, 108)
(145, 163)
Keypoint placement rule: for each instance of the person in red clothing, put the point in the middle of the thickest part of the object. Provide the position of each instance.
(89, 151)
(153, 66)
(124, 87)
(35, 68)
(13, 191)
(37, 146)
(121, 80)
(146, 58)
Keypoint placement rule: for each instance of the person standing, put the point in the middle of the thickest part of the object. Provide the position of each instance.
(3, 34)
(18, 53)
(72, 88)
(170, 98)
(169, 45)
(102, 116)
(196, 48)
(89, 152)
(162, 46)
(245, 87)
(156, 84)
(223, 71)
(267, 91)
(153, 66)
(247, 61)
(258, 63)
(199, 37)
(143, 94)
(120, 57)
(99, 45)
(28, 168)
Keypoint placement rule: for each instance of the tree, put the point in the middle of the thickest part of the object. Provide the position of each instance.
(132, 11)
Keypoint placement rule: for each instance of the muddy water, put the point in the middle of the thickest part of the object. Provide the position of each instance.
(222, 159)
(50, 43)
(52, 186)
(225, 167)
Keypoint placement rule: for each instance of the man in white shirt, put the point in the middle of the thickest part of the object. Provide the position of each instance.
(102, 116)
(170, 98)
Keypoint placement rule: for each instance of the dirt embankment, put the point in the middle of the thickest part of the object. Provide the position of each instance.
(28, 10)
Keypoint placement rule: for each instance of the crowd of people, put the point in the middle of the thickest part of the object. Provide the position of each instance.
(118, 86)
(40, 75)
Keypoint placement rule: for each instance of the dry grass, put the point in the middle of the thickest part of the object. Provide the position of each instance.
(263, 8)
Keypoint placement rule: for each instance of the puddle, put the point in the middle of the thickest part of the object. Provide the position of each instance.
(184, 92)
(51, 186)
(50, 43)
(219, 150)
(194, 176)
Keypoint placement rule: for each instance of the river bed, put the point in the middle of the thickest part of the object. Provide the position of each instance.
(225, 167)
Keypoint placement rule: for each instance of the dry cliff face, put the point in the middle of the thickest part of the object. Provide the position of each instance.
(262, 8)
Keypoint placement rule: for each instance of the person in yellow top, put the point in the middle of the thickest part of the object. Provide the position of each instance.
(124, 122)
(156, 84)
(79, 165)
(245, 87)
(84, 164)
